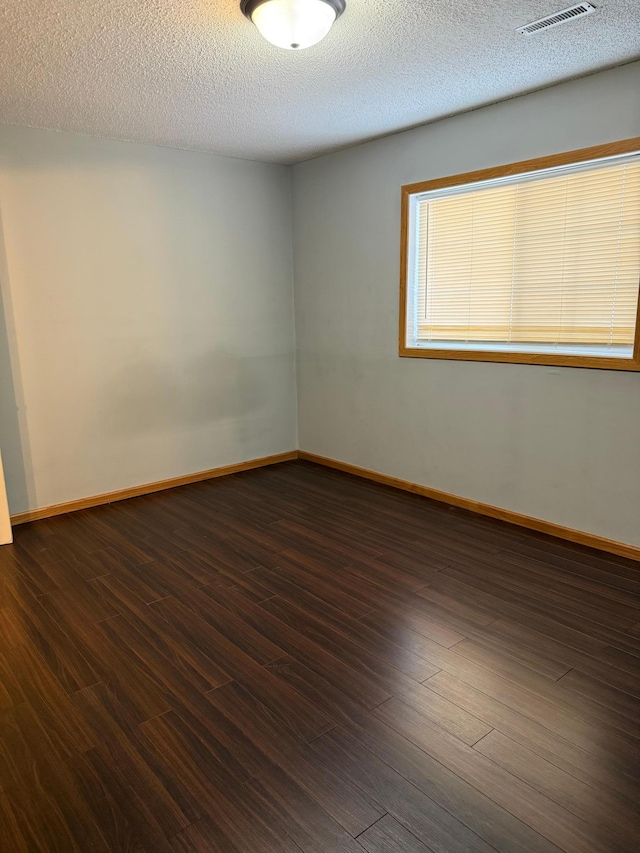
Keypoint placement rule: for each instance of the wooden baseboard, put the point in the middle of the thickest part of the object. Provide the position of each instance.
(148, 488)
(591, 540)
(621, 549)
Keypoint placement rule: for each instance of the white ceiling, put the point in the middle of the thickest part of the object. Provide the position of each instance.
(196, 74)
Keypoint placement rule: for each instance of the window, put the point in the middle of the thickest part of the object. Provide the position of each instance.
(536, 262)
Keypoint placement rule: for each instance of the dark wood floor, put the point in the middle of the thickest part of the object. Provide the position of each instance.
(295, 659)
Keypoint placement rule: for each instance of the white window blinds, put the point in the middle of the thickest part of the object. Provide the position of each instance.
(544, 262)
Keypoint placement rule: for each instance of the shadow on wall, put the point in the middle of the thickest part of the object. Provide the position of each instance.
(14, 434)
(216, 386)
(151, 334)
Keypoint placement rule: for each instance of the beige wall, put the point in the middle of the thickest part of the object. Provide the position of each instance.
(556, 443)
(148, 320)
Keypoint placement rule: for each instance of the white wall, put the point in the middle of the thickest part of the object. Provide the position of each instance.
(559, 444)
(146, 321)
(148, 314)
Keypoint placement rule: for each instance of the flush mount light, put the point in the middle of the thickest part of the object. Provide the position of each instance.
(293, 24)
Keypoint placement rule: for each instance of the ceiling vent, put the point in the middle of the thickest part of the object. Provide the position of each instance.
(577, 11)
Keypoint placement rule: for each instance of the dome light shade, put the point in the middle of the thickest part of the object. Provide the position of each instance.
(293, 24)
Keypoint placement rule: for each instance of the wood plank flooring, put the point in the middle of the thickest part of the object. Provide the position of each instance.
(293, 659)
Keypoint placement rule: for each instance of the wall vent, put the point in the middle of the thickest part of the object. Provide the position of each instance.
(577, 11)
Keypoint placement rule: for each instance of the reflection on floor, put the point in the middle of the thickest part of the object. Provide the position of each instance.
(295, 659)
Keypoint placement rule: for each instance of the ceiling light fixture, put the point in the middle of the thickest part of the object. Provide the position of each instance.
(293, 24)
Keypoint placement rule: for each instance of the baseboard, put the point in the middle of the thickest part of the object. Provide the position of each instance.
(591, 540)
(148, 488)
(578, 536)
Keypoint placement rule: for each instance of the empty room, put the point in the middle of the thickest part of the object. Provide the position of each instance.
(319, 426)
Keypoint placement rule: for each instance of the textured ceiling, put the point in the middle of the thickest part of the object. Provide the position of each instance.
(196, 74)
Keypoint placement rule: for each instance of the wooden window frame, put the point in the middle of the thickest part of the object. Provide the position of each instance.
(626, 146)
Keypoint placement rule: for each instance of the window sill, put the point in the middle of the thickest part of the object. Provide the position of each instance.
(595, 362)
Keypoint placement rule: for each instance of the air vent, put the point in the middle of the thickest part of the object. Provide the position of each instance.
(578, 11)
